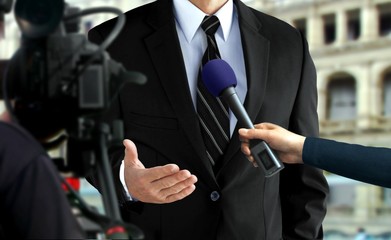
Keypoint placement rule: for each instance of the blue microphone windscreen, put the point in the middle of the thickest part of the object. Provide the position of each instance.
(218, 75)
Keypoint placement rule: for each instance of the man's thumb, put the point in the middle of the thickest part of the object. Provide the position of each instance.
(131, 155)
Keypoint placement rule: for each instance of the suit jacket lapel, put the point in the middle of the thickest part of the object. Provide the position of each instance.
(165, 51)
(256, 56)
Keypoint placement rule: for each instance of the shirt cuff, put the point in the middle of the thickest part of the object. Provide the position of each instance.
(128, 197)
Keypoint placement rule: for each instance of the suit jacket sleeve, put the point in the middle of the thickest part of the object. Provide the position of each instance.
(303, 188)
(367, 164)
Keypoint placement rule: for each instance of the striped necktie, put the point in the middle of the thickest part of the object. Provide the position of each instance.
(212, 112)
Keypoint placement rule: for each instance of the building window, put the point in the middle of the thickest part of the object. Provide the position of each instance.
(384, 19)
(329, 28)
(342, 98)
(387, 95)
(301, 25)
(354, 28)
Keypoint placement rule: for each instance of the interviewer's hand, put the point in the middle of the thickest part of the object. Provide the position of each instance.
(162, 184)
(288, 145)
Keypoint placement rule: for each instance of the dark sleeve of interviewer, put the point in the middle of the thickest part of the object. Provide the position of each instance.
(367, 164)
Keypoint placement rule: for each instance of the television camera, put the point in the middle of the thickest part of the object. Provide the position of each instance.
(57, 84)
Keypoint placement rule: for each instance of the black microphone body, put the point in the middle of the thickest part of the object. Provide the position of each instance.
(262, 153)
(231, 97)
(220, 80)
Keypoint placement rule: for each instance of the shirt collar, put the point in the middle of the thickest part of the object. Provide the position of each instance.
(189, 17)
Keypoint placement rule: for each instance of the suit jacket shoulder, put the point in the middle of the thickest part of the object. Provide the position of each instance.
(271, 27)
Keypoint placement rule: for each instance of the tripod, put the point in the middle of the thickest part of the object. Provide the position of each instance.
(88, 146)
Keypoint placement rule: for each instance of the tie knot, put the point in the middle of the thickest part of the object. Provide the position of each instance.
(210, 24)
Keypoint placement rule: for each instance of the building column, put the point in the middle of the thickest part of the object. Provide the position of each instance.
(368, 200)
(342, 30)
(322, 94)
(369, 21)
(315, 29)
(363, 80)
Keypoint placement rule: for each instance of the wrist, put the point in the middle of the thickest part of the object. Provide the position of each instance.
(299, 148)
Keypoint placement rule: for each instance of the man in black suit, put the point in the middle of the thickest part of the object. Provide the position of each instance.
(166, 183)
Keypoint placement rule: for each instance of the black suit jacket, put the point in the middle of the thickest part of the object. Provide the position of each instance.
(238, 202)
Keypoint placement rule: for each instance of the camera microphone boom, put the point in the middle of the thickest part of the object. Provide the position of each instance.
(219, 78)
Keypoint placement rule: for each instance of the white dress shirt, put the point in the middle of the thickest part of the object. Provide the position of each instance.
(193, 43)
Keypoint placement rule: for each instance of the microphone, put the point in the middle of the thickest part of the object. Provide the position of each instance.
(219, 78)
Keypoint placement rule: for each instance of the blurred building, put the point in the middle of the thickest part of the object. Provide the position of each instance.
(350, 42)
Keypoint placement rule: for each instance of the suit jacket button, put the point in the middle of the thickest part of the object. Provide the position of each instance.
(214, 196)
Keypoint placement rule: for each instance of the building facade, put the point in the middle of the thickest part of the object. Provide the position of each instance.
(350, 42)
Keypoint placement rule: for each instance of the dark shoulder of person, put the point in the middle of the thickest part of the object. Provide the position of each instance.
(17, 148)
(15, 138)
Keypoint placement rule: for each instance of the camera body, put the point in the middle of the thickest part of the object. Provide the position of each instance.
(57, 76)
(48, 79)
(60, 83)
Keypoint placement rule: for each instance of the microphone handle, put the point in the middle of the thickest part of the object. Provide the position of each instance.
(231, 97)
(260, 150)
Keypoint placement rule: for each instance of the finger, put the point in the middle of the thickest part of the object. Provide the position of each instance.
(244, 141)
(180, 195)
(171, 180)
(245, 149)
(247, 152)
(265, 125)
(255, 133)
(244, 134)
(179, 187)
(160, 172)
(146, 190)
(251, 159)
